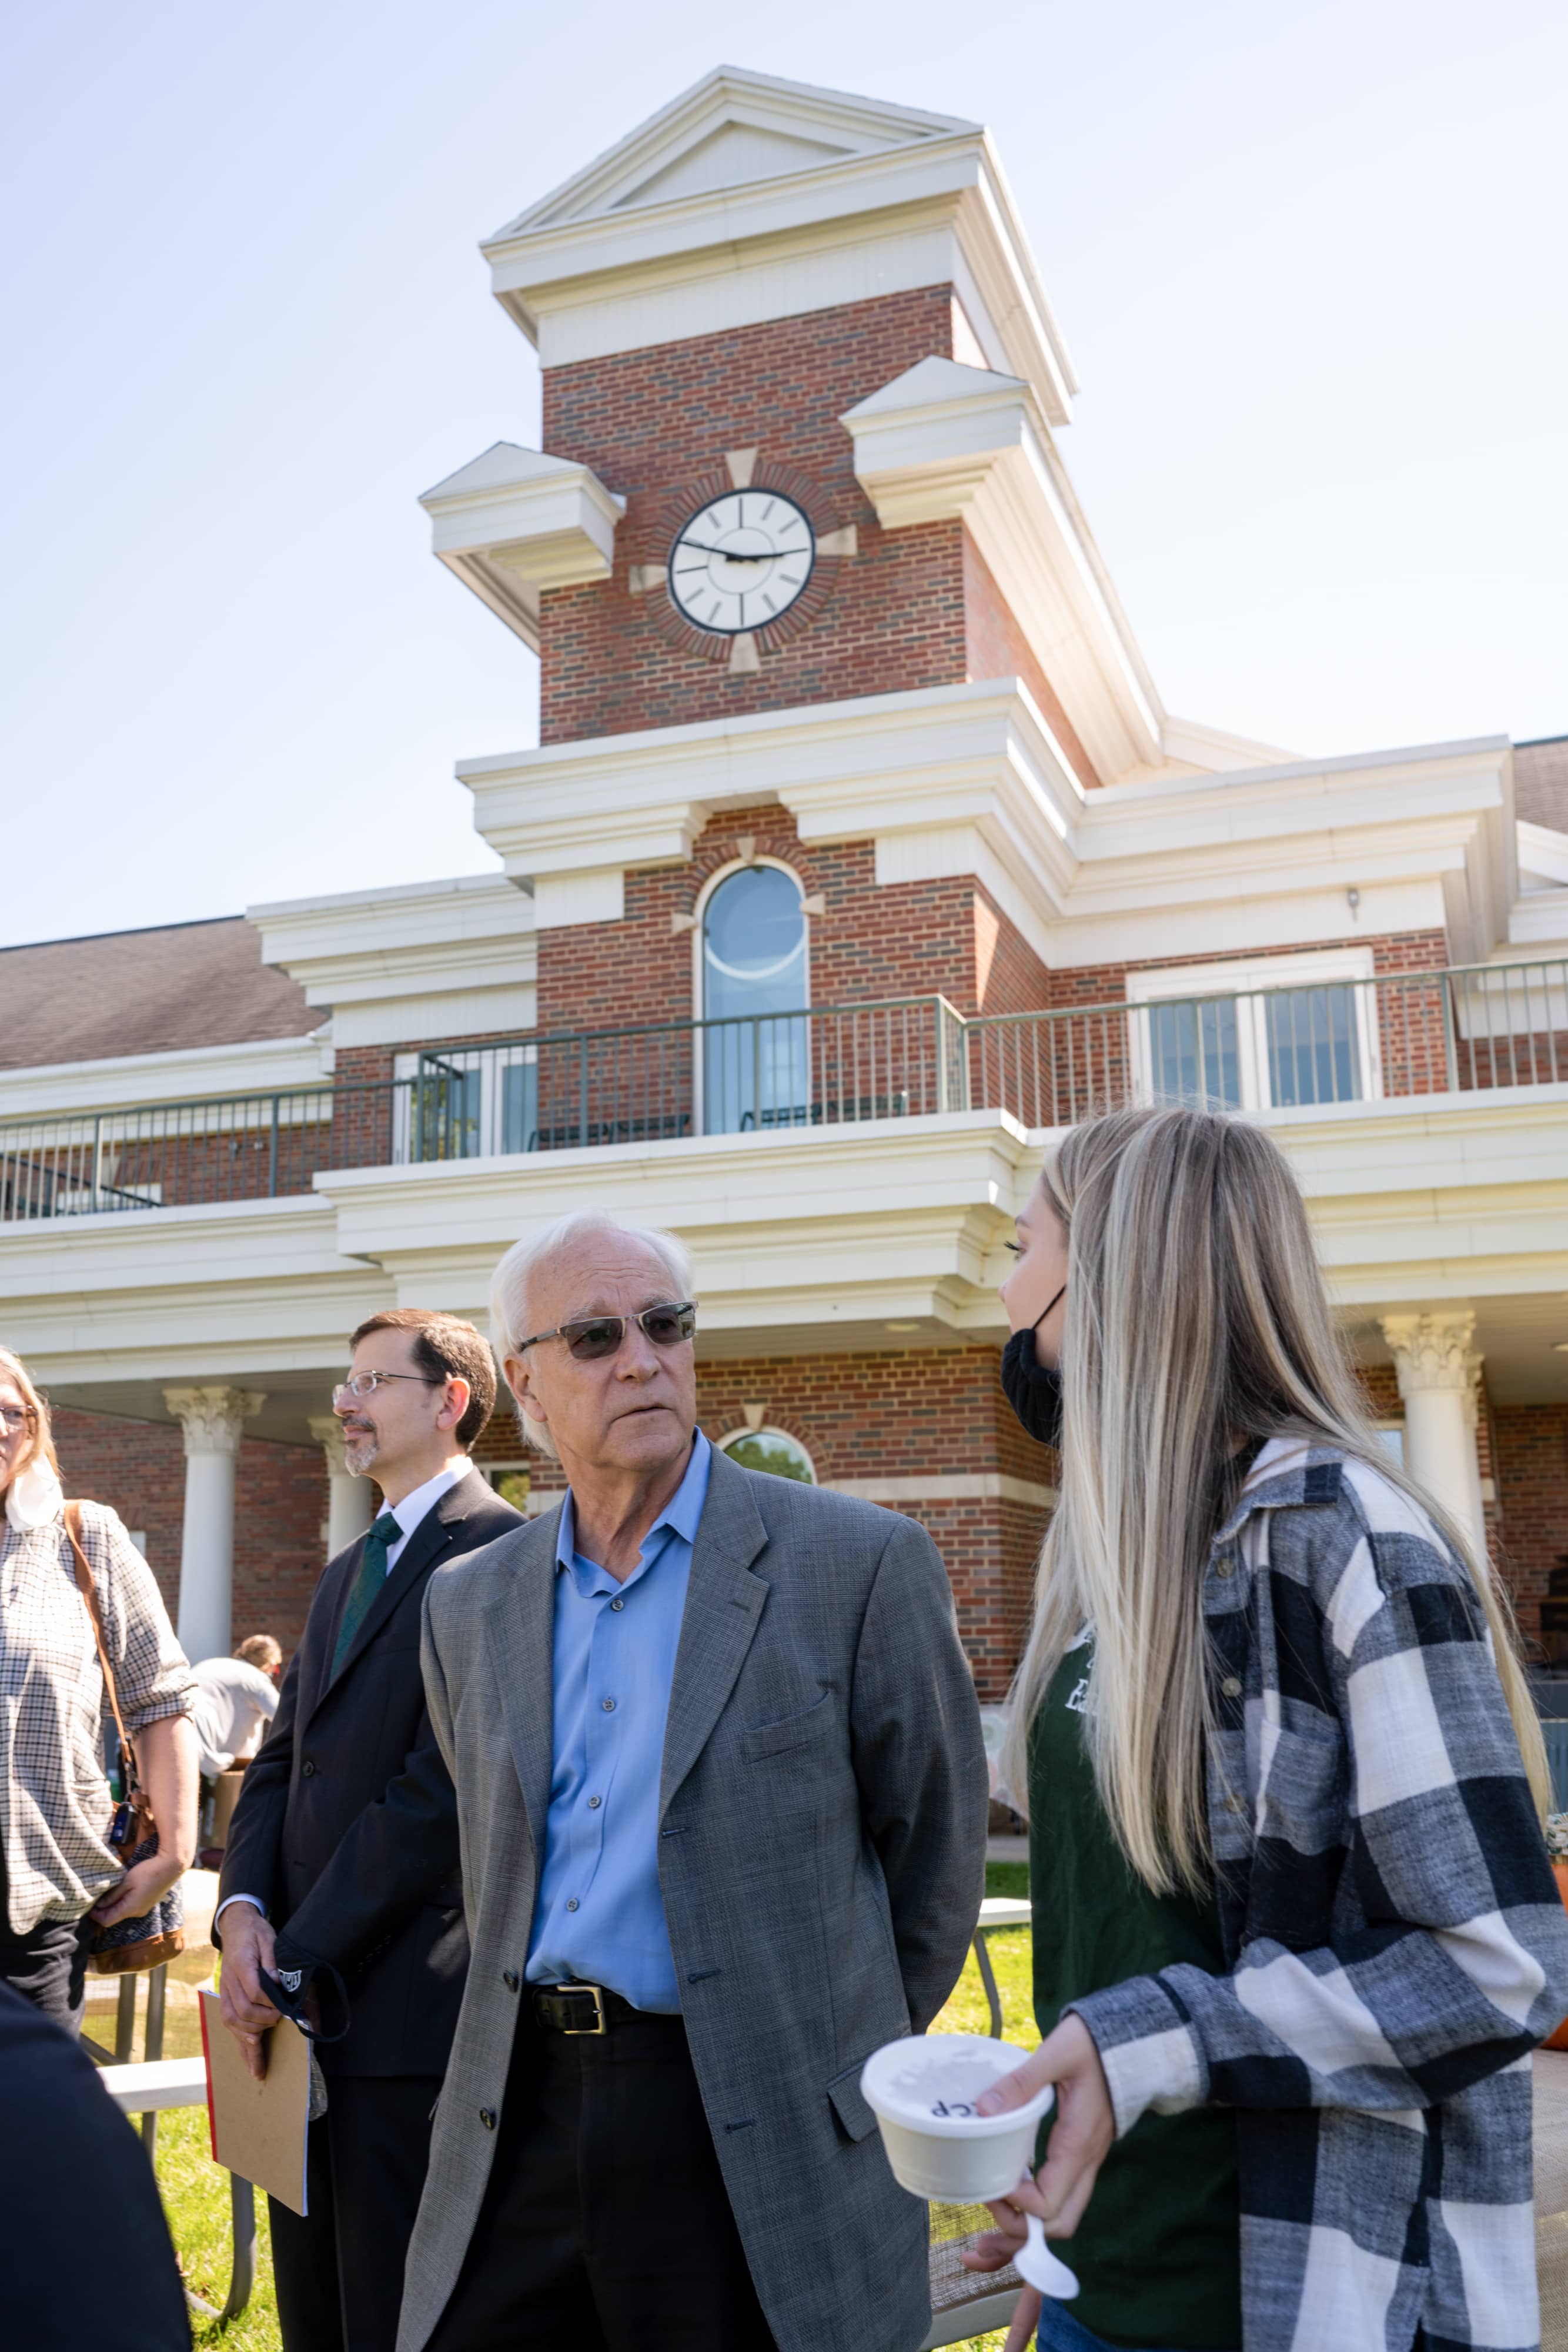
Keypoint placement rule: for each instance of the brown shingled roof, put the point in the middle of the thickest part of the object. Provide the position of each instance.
(145, 993)
(1541, 781)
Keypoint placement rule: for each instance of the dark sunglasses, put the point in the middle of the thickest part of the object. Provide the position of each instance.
(601, 1335)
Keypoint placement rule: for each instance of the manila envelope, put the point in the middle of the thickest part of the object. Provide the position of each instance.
(259, 2129)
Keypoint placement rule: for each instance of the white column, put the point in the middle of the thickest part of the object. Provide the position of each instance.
(1438, 1377)
(212, 1419)
(351, 1503)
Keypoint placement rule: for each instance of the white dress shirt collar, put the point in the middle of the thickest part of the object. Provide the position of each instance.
(416, 1506)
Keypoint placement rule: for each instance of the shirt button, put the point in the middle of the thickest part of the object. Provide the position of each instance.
(509, 1979)
(1231, 1686)
(594, 1803)
(1235, 1804)
(487, 2117)
(571, 1901)
(618, 1604)
(1225, 1567)
(308, 1772)
(608, 1705)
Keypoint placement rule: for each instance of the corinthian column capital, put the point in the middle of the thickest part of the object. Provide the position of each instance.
(327, 1431)
(213, 1419)
(1433, 1351)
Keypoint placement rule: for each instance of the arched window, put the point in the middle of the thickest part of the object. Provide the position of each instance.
(755, 993)
(773, 1450)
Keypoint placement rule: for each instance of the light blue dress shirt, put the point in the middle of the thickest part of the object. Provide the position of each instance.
(598, 1915)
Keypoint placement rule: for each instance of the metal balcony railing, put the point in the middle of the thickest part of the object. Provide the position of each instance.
(1486, 1028)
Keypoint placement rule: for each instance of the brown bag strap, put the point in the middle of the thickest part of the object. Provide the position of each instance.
(89, 1592)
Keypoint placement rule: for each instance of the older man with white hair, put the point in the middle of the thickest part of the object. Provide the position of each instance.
(722, 1790)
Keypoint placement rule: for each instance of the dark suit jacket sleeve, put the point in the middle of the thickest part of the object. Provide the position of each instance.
(394, 1855)
(920, 1760)
(253, 1856)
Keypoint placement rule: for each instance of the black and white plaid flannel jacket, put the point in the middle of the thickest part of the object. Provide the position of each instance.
(54, 1807)
(1396, 1942)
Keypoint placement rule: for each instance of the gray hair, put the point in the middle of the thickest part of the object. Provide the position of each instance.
(511, 1282)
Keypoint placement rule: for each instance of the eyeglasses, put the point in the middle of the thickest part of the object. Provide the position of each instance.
(364, 1384)
(601, 1335)
(13, 1417)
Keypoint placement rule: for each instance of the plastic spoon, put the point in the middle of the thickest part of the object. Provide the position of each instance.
(1037, 2263)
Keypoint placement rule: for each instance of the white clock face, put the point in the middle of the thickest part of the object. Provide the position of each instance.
(741, 561)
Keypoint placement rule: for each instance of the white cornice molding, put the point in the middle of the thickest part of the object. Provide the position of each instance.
(515, 521)
(1425, 835)
(448, 959)
(944, 440)
(371, 946)
(186, 1073)
(588, 272)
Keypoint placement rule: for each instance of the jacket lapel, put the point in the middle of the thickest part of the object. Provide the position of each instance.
(424, 1547)
(724, 1607)
(520, 1636)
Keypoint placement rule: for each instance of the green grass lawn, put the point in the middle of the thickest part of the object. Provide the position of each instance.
(196, 2192)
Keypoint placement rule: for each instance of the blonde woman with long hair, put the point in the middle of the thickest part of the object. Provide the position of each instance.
(1295, 1934)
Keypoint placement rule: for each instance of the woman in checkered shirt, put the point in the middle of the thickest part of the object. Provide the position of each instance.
(1295, 1932)
(58, 1875)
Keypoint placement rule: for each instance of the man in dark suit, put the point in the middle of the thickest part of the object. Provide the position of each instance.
(340, 1878)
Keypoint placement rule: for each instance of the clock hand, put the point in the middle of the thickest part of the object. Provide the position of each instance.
(701, 547)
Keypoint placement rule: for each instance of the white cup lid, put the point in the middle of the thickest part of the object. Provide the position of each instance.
(929, 2082)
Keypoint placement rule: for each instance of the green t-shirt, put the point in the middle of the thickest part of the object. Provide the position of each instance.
(1159, 2253)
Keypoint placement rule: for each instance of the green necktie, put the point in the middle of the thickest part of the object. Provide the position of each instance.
(372, 1575)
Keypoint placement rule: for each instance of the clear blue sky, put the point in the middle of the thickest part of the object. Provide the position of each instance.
(1309, 260)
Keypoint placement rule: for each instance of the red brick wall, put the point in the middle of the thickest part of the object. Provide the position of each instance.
(996, 647)
(915, 938)
(281, 1508)
(1532, 1443)
(654, 425)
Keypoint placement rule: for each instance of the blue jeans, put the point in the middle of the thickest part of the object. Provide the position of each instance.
(1059, 2332)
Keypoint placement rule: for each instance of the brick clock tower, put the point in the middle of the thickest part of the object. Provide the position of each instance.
(828, 664)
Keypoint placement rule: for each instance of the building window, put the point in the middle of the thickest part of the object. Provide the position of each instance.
(755, 991)
(773, 1450)
(510, 1481)
(1273, 1034)
(464, 1102)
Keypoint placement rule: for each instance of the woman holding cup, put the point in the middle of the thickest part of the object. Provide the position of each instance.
(1295, 1933)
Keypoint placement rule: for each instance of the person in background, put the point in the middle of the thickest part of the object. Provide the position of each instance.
(1295, 1933)
(340, 1875)
(59, 1877)
(722, 1795)
(234, 1698)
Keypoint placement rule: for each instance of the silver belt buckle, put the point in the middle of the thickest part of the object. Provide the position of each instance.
(600, 2025)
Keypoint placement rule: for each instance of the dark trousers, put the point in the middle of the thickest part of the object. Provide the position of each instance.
(606, 2224)
(48, 1966)
(338, 2272)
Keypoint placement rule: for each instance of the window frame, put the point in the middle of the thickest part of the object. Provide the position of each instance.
(716, 881)
(769, 1429)
(1248, 980)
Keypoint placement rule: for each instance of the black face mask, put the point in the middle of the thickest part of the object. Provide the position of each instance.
(1033, 1391)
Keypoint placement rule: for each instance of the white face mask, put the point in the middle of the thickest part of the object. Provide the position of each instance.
(34, 1496)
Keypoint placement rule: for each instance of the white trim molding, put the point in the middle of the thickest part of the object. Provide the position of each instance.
(514, 522)
(944, 440)
(949, 1486)
(446, 958)
(1124, 874)
(749, 198)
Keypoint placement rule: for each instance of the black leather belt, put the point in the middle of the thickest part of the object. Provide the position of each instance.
(589, 2009)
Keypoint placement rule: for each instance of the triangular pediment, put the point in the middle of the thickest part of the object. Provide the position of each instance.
(731, 130)
(932, 381)
(502, 465)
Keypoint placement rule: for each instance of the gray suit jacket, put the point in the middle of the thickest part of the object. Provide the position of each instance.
(821, 1856)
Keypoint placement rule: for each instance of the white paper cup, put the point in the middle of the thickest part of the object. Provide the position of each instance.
(923, 2091)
